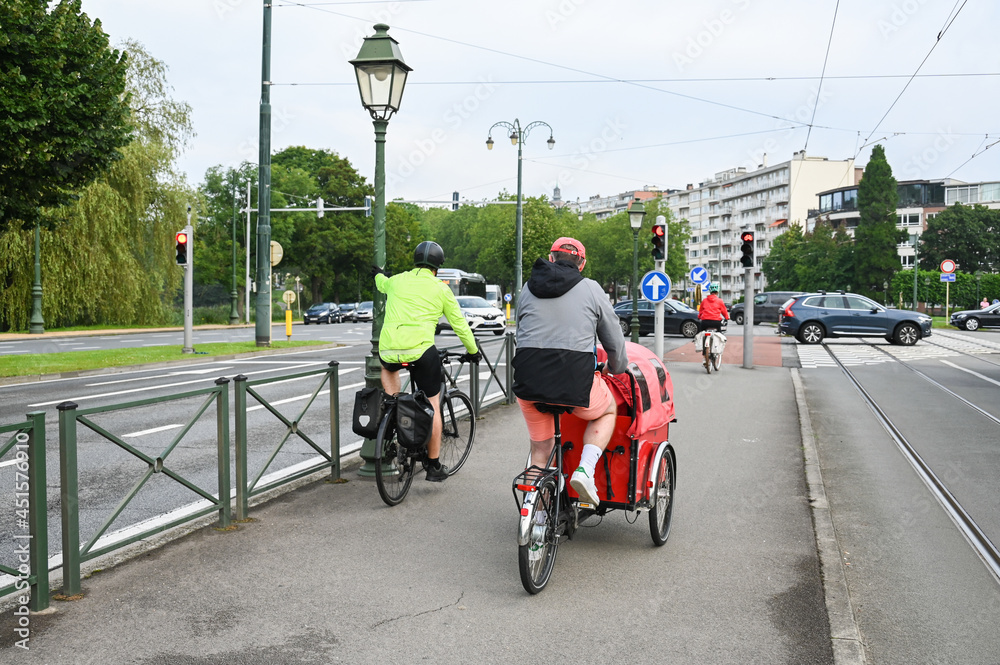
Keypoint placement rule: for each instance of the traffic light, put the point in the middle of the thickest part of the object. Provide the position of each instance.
(747, 249)
(182, 248)
(659, 240)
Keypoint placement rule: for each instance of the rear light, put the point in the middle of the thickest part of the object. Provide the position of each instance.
(788, 312)
(526, 488)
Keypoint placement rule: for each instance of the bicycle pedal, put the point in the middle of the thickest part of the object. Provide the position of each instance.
(586, 506)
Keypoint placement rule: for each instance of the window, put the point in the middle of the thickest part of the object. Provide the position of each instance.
(911, 219)
(906, 260)
(851, 199)
(857, 302)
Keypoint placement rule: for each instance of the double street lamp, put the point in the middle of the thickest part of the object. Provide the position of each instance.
(381, 75)
(636, 212)
(518, 135)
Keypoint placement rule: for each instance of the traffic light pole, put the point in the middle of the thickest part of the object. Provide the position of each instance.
(748, 318)
(658, 319)
(189, 288)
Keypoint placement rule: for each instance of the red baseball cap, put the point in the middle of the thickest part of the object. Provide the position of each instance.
(578, 249)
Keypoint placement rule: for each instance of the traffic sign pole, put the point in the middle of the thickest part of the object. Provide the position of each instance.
(658, 314)
(748, 317)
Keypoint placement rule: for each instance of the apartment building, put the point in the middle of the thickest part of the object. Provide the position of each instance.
(607, 206)
(766, 200)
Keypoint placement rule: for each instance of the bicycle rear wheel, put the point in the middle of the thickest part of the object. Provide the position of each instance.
(536, 559)
(458, 431)
(716, 361)
(394, 465)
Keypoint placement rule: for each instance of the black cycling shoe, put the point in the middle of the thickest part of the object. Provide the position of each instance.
(437, 475)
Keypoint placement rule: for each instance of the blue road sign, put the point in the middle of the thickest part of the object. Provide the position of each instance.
(698, 275)
(947, 277)
(655, 286)
(506, 297)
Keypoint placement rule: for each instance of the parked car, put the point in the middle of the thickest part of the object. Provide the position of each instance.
(678, 318)
(813, 316)
(480, 315)
(974, 319)
(348, 312)
(365, 311)
(766, 307)
(322, 312)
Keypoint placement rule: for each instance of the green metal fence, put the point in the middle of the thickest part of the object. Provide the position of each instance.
(31, 545)
(245, 489)
(70, 416)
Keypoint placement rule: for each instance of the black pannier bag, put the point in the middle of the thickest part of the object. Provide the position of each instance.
(414, 419)
(368, 409)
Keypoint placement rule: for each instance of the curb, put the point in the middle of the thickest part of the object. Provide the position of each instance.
(848, 647)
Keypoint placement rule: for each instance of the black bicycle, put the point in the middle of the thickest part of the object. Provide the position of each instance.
(397, 463)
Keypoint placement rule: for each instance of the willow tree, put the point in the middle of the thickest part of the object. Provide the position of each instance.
(108, 258)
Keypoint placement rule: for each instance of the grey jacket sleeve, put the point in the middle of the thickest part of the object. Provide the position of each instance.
(609, 332)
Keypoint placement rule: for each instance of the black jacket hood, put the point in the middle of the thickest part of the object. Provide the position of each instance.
(551, 280)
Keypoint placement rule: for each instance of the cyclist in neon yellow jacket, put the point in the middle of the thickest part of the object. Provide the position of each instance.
(415, 300)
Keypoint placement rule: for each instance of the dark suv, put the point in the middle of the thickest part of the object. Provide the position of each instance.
(323, 312)
(766, 307)
(813, 316)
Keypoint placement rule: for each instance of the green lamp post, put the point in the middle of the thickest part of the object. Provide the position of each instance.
(381, 75)
(518, 135)
(234, 312)
(636, 212)
(37, 324)
(979, 277)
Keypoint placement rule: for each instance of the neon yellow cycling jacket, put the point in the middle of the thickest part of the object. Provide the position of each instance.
(415, 300)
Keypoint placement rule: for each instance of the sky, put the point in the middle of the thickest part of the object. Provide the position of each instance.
(637, 92)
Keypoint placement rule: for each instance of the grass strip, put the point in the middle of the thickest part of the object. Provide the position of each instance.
(75, 361)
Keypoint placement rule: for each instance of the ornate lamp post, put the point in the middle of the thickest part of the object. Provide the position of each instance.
(636, 212)
(37, 324)
(518, 136)
(979, 276)
(234, 311)
(381, 75)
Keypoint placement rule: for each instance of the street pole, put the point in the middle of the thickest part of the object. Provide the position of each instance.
(246, 286)
(915, 237)
(263, 323)
(658, 264)
(189, 287)
(37, 325)
(635, 286)
(234, 310)
(748, 317)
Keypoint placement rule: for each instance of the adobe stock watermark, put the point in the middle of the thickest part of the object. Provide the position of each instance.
(22, 541)
(711, 30)
(920, 163)
(587, 154)
(452, 119)
(223, 7)
(563, 11)
(900, 14)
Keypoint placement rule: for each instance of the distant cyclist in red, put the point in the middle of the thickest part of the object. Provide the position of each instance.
(711, 314)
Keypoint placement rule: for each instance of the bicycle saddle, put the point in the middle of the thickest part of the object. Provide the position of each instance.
(553, 408)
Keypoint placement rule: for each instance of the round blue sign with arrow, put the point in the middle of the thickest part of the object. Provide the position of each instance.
(655, 286)
(698, 275)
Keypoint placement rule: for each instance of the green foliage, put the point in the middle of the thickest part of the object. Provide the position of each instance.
(968, 235)
(876, 236)
(107, 258)
(930, 288)
(819, 259)
(64, 114)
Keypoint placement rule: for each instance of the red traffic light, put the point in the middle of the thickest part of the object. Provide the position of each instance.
(182, 238)
(659, 230)
(747, 236)
(182, 247)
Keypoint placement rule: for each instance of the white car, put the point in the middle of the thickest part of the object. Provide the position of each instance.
(480, 314)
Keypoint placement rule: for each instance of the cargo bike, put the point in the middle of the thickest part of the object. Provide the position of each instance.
(636, 473)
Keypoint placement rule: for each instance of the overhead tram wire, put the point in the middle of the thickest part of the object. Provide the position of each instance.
(974, 155)
(948, 22)
(819, 89)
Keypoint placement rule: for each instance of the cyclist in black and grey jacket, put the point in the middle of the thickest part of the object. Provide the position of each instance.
(561, 315)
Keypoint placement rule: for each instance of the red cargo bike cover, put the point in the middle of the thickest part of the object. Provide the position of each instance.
(654, 391)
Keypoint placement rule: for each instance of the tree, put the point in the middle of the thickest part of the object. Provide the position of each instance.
(779, 266)
(64, 114)
(964, 234)
(876, 236)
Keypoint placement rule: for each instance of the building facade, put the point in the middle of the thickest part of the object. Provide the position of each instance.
(766, 200)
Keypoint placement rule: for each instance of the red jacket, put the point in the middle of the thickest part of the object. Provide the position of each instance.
(712, 309)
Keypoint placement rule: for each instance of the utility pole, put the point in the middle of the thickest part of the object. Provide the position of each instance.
(189, 287)
(263, 323)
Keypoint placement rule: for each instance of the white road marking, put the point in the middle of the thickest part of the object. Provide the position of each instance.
(984, 378)
(151, 431)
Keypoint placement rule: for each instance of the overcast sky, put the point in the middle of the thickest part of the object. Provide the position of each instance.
(651, 92)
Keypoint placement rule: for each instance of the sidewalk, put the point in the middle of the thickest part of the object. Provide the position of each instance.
(328, 573)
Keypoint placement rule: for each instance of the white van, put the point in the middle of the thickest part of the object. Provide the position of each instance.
(493, 295)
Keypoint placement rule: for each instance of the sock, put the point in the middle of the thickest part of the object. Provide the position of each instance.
(589, 457)
(433, 463)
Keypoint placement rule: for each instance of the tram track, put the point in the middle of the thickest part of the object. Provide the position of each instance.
(984, 547)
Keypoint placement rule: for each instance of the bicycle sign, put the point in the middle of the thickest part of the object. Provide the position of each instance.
(655, 286)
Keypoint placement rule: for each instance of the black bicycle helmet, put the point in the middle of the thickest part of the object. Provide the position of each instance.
(428, 253)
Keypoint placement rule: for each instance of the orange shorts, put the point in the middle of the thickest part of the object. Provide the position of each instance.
(540, 425)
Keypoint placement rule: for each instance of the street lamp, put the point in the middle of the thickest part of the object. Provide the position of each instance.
(913, 241)
(635, 214)
(518, 136)
(381, 75)
(979, 276)
(234, 311)
(37, 324)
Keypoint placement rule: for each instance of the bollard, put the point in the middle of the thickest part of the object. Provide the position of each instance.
(508, 343)
(69, 495)
(334, 373)
(37, 515)
(288, 323)
(222, 432)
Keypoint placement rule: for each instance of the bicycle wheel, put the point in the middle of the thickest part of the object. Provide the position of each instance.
(716, 361)
(708, 358)
(661, 499)
(394, 465)
(536, 559)
(458, 430)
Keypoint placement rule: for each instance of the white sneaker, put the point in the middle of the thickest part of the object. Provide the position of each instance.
(584, 486)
